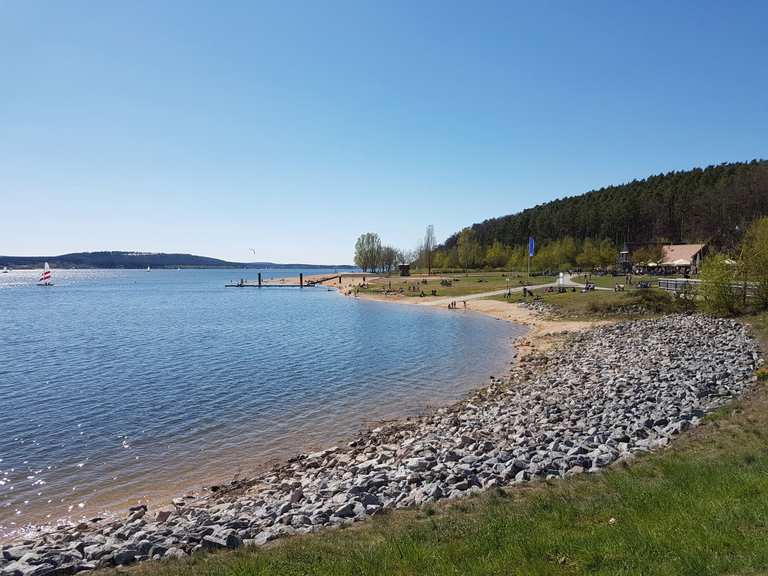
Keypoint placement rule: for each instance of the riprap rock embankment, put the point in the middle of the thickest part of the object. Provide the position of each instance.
(604, 395)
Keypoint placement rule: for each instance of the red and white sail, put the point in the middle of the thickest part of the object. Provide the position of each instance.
(45, 277)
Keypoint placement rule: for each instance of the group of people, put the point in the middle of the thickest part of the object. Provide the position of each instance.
(453, 306)
(559, 289)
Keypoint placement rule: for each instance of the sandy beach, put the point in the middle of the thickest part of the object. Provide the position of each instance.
(543, 331)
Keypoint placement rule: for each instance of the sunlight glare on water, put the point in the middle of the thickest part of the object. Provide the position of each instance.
(126, 386)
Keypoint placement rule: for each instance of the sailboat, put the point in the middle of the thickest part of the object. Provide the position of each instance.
(148, 269)
(5, 270)
(45, 277)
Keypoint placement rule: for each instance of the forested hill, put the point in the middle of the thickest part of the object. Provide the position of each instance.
(711, 204)
(138, 260)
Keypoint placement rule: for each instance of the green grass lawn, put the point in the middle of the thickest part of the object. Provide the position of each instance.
(603, 304)
(698, 508)
(461, 284)
(611, 281)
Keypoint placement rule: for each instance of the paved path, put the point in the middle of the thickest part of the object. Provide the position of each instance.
(567, 282)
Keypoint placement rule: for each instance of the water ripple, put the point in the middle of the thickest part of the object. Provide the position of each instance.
(119, 386)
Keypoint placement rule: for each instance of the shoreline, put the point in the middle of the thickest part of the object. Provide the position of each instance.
(200, 490)
(553, 417)
(540, 329)
(490, 438)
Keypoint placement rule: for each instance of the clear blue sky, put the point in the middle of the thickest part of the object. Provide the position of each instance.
(292, 127)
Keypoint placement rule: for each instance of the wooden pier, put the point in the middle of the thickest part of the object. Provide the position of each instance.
(258, 283)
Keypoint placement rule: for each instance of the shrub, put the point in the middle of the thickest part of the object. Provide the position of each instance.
(755, 258)
(718, 293)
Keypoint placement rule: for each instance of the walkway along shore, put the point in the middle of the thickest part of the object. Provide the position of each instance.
(602, 395)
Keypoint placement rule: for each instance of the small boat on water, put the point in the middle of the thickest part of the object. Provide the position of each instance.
(148, 269)
(5, 270)
(46, 276)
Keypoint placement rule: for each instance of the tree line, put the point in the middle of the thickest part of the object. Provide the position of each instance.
(737, 282)
(559, 254)
(713, 205)
(371, 255)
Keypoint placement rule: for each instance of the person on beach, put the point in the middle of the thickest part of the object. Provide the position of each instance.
(465, 304)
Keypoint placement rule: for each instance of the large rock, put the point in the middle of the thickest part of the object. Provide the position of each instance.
(607, 394)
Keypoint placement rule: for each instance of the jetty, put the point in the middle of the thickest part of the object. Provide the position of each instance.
(272, 283)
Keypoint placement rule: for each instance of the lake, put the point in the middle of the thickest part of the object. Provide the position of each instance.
(127, 386)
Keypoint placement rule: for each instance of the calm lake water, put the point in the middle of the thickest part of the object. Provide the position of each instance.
(125, 386)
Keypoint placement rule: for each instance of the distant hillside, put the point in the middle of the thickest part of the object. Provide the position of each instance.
(141, 260)
(712, 204)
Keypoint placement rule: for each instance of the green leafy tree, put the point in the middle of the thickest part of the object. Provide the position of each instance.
(496, 255)
(517, 259)
(588, 257)
(368, 251)
(452, 258)
(429, 247)
(646, 254)
(711, 203)
(755, 259)
(468, 249)
(607, 253)
(719, 292)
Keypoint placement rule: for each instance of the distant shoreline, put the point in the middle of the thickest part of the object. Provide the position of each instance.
(58, 266)
(138, 260)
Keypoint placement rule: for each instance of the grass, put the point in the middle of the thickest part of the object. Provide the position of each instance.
(461, 284)
(699, 508)
(602, 304)
(610, 281)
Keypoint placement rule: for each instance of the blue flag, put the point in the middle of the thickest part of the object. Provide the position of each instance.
(530, 246)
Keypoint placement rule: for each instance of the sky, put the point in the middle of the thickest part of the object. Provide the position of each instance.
(292, 127)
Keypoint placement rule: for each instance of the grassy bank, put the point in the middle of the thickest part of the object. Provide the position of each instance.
(454, 285)
(697, 508)
(607, 305)
(610, 281)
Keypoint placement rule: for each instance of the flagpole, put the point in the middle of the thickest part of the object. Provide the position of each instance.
(530, 253)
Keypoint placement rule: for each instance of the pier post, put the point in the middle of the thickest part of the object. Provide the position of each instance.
(301, 280)
(259, 279)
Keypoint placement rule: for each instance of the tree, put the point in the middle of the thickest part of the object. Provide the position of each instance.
(588, 256)
(646, 254)
(755, 258)
(388, 258)
(451, 258)
(719, 293)
(368, 251)
(568, 251)
(429, 246)
(518, 258)
(608, 255)
(468, 249)
(712, 203)
(496, 257)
